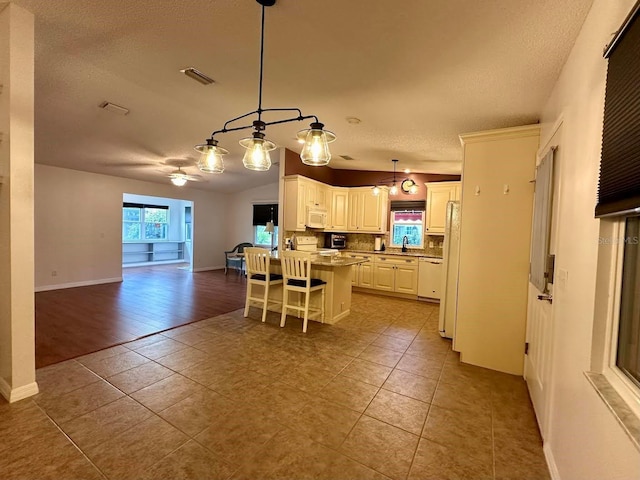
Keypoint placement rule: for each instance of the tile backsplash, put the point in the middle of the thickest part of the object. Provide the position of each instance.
(365, 242)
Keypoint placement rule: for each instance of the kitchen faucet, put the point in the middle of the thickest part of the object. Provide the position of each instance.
(405, 242)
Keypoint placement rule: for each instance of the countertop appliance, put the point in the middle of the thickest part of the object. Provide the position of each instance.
(335, 240)
(450, 260)
(377, 244)
(306, 243)
(429, 277)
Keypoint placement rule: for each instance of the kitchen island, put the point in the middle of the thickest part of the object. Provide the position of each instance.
(336, 271)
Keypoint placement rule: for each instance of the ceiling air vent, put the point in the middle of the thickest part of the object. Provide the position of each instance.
(346, 157)
(113, 108)
(197, 75)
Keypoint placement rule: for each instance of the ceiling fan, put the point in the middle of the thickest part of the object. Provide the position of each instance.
(180, 178)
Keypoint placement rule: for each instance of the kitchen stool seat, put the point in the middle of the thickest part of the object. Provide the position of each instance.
(296, 269)
(258, 263)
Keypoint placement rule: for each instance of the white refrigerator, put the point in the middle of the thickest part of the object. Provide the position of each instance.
(450, 257)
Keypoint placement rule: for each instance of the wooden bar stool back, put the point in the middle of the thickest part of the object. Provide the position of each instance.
(296, 269)
(258, 264)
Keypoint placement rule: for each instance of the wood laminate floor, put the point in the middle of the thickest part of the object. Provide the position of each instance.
(77, 321)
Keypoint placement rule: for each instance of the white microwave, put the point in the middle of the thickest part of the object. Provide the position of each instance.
(316, 218)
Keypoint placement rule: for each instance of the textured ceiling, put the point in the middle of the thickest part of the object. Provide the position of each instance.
(417, 73)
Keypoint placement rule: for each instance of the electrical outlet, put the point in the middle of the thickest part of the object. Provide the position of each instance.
(54, 273)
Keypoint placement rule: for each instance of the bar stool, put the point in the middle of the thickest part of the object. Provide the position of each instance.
(257, 261)
(296, 268)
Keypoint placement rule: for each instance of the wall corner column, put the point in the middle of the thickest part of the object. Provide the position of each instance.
(17, 311)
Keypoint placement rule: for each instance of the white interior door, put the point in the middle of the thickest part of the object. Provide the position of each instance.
(538, 360)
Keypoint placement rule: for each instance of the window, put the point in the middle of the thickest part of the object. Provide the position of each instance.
(262, 238)
(627, 343)
(410, 224)
(618, 357)
(263, 214)
(141, 222)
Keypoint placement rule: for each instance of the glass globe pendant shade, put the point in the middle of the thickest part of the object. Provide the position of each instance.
(413, 189)
(179, 180)
(393, 190)
(257, 155)
(316, 145)
(210, 160)
(375, 191)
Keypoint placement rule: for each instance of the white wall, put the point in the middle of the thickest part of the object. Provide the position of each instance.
(584, 441)
(240, 229)
(78, 222)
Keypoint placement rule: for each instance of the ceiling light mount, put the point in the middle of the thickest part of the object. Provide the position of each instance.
(315, 151)
(407, 185)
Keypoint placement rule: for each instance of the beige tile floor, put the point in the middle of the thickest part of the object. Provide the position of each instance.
(379, 395)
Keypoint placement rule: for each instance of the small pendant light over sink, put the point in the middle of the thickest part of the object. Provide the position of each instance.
(316, 140)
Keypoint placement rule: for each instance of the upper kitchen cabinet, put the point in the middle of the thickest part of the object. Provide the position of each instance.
(301, 193)
(438, 194)
(316, 194)
(339, 209)
(367, 212)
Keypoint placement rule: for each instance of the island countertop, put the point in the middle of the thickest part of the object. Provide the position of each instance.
(326, 260)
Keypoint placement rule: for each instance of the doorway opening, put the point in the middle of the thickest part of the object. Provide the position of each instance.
(156, 230)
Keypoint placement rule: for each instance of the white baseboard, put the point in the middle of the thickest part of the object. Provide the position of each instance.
(551, 463)
(206, 269)
(15, 394)
(86, 283)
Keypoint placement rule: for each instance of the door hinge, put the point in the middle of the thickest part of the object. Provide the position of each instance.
(526, 348)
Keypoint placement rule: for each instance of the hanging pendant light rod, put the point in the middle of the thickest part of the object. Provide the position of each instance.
(315, 151)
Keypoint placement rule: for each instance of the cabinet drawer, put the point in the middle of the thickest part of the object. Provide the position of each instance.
(397, 260)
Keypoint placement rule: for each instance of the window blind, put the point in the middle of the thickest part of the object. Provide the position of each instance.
(541, 222)
(619, 185)
(408, 205)
(142, 205)
(263, 213)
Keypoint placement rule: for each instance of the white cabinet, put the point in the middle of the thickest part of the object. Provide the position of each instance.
(349, 209)
(367, 212)
(339, 209)
(396, 274)
(362, 273)
(295, 204)
(438, 194)
(300, 193)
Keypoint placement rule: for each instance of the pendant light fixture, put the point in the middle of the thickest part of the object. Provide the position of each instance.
(316, 140)
(394, 186)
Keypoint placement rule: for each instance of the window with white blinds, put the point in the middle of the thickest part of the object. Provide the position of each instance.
(542, 222)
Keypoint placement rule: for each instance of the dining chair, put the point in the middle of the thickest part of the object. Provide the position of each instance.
(296, 270)
(258, 263)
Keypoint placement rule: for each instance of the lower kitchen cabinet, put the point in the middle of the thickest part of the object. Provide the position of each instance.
(396, 274)
(362, 274)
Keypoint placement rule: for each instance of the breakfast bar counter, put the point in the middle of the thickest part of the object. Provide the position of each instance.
(336, 271)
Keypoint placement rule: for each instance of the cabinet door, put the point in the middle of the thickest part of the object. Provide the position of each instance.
(355, 270)
(301, 202)
(320, 197)
(308, 192)
(437, 198)
(406, 280)
(353, 222)
(371, 211)
(294, 205)
(366, 275)
(339, 210)
(383, 274)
